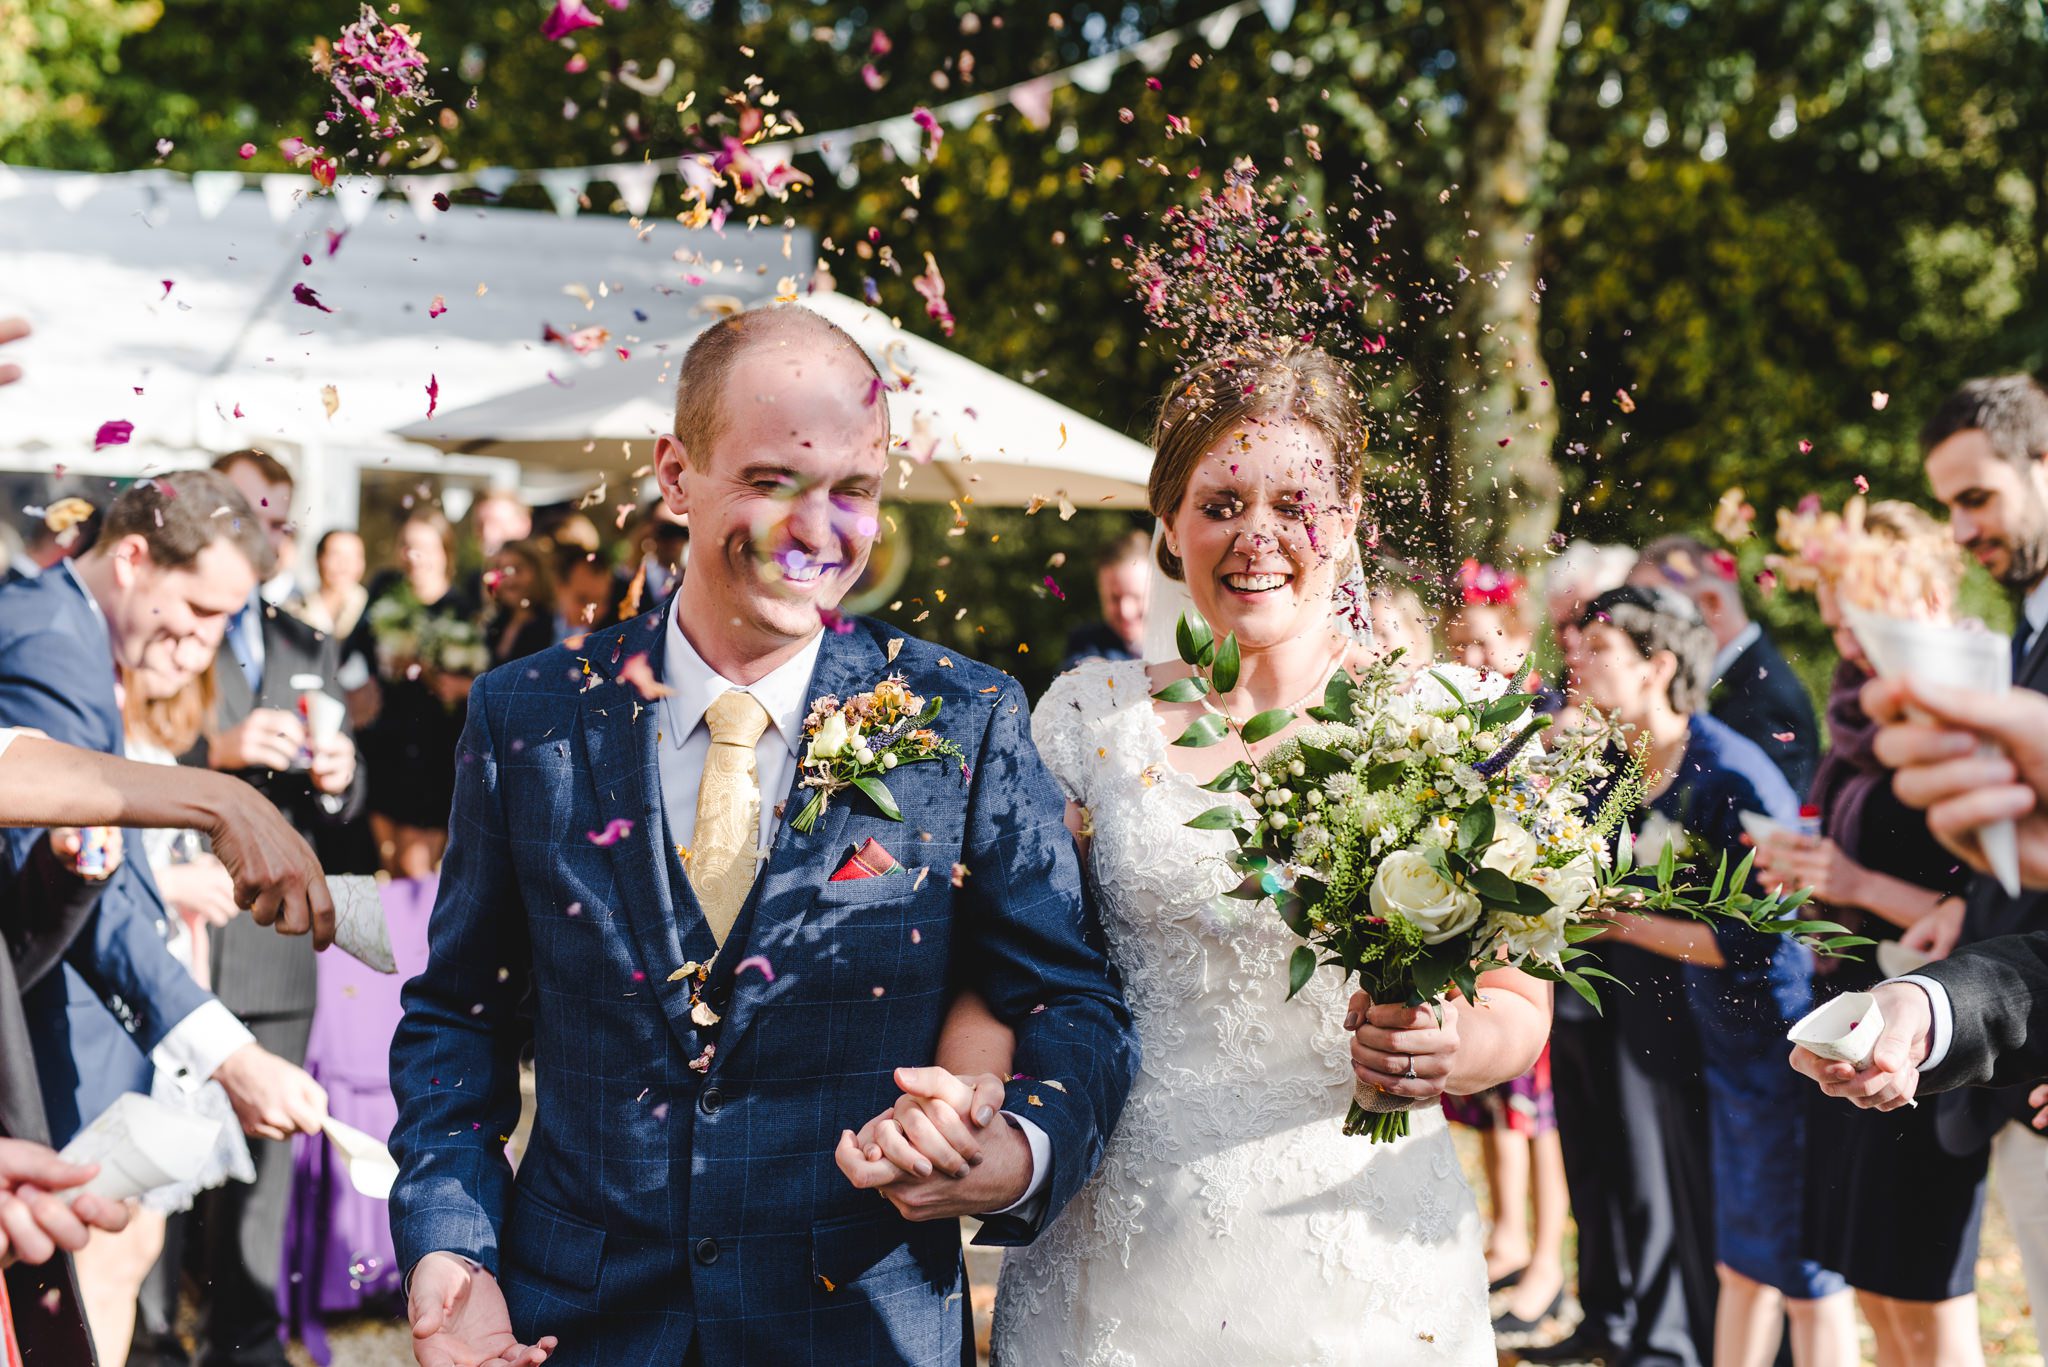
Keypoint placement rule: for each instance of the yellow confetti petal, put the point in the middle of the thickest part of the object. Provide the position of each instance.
(330, 399)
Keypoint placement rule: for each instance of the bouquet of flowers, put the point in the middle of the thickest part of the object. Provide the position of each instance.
(453, 645)
(407, 635)
(1419, 835)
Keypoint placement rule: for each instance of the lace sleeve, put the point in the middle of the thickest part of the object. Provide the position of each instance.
(1061, 723)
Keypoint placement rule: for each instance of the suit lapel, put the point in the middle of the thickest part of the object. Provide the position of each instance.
(800, 862)
(621, 738)
(2033, 670)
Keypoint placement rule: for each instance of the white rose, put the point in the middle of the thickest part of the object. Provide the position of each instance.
(1539, 938)
(831, 740)
(1513, 850)
(1406, 886)
(1571, 886)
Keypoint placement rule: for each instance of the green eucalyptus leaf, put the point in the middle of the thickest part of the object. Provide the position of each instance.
(1449, 687)
(1321, 763)
(1191, 689)
(879, 794)
(1219, 818)
(1493, 887)
(1584, 989)
(1505, 709)
(1192, 638)
(1301, 966)
(1720, 879)
(1265, 724)
(1223, 673)
(1667, 864)
(1380, 777)
(1294, 912)
(1235, 779)
(1204, 730)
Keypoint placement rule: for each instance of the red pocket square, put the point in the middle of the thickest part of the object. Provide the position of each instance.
(869, 861)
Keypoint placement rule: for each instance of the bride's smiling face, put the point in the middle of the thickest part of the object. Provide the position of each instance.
(1262, 533)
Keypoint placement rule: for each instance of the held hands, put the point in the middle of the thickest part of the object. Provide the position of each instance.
(1403, 1050)
(35, 1222)
(943, 1150)
(1894, 1072)
(265, 739)
(1941, 768)
(272, 1098)
(277, 876)
(459, 1319)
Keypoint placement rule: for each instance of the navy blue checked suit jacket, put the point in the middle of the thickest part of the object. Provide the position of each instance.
(57, 675)
(657, 1205)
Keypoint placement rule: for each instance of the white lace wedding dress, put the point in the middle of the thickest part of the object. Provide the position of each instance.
(1232, 1222)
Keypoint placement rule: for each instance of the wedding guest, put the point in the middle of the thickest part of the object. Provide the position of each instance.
(1878, 871)
(1123, 585)
(67, 527)
(1648, 654)
(258, 731)
(586, 594)
(1488, 628)
(497, 519)
(115, 1274)
(1986, 457)
(520, 621)
(1755, 693)
(338, 598)
(1579, 574)
(41, 781)
(153, 595)
(415, 613)
(1399, 620)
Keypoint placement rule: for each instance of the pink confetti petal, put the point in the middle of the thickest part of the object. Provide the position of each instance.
(433, 394)
(566, 18)
(113, 433)
(615, 830)
(754, 961)
(306, 295)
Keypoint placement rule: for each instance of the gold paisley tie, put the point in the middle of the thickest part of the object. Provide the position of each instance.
(722, 860)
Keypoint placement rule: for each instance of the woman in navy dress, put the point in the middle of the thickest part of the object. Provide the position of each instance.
(1647, 658)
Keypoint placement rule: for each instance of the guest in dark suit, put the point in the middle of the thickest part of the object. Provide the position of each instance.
(154, 595)
(1987, 461)
(1755, 693)
(1123, 585)
(257, 733)
(45, 782)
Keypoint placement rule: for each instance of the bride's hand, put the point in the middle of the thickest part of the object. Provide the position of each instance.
(926, 1130)
(1403, 1050)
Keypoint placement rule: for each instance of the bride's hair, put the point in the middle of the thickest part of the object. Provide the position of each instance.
(1282, 381)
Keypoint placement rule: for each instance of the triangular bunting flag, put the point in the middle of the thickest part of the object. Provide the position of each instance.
(1279, 13)
(1095, 75)
(1218, 27)
(905, 139)
(74, 191)
(420, 191)
(211, 191)
(356, 196)
(495, 180)
(634, 180)
(565, 186)
(837, 154)
(1154, 53)
(1033, 100)
(281, 195)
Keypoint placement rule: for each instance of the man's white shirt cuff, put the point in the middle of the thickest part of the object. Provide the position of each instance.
(1942, 1030)
(1041, 1165)
(196, 1046)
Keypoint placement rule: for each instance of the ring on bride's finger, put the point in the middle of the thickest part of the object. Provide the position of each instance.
(1409, 1072)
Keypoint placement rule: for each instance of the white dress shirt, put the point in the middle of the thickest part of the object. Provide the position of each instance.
(784, 693)
(7, 735)
(194, 1049)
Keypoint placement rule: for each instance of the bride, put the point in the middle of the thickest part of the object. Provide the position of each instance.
(1231, 1220)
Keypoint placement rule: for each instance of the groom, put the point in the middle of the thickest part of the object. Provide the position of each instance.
(679, 1202)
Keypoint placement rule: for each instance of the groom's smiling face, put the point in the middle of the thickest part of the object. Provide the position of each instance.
(783, 498)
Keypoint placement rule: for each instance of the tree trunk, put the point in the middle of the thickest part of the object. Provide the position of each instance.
(1499, 407)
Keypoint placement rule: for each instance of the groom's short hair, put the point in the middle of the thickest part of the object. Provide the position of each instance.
(700, 385)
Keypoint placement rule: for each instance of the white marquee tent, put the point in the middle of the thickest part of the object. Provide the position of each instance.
(214, 318)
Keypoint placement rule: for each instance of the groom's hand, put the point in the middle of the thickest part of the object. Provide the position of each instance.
(459, 1318)
(928, 1160)
(1894, 1072)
